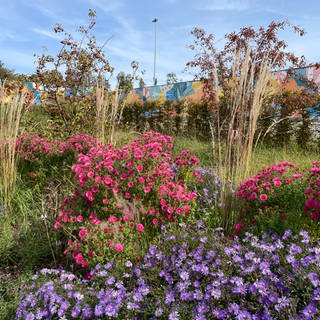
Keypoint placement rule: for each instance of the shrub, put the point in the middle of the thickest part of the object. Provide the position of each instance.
(121, 197)
(272, 196)
(312, 204)
(192, 274)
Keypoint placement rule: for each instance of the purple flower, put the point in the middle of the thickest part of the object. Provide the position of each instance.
(111, 310)
(314, 279)
(244, 315)
(310, 310)
(219, 313)
(75, 312)
(169, 297)
(174, 315)
(99, 310)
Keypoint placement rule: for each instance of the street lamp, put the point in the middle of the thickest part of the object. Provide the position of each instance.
(155, 20)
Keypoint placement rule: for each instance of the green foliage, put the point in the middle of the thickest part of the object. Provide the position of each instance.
(11, 283)
(178, 118)
(304, 134)
(25, 238)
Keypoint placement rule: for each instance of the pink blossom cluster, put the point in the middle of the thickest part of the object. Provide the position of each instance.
(259, 186)
(312, 204)
(123, 194)
(32, 147)
(264, 191)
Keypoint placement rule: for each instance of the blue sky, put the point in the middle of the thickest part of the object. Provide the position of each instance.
(26, 27)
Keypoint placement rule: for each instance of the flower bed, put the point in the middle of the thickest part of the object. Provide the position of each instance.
(197, 274)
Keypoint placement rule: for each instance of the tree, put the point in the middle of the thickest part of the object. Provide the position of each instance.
(5, 73)
(69, 75)
(77, 65)
(172, 78)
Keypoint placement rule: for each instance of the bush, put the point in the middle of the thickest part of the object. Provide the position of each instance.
(312, 204)
(273, 198)
(192, 274)
(122, 196)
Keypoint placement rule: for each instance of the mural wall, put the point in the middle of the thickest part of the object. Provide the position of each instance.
(191, 90)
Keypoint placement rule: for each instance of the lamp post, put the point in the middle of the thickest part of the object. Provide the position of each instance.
(155, 20)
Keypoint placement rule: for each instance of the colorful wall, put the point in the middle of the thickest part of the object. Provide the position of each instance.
(191, 90)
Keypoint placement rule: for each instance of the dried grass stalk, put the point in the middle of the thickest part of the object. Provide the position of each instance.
(10, 117)
(108, 113)
(247, 88)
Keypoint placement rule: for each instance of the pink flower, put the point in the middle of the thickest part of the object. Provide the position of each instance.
(179, 211)
(57, 225)
(105, 201)
(146, 189)
(97, 179)
(127, 195)
(89, 195)
(118, 247)
(79, 258)
(82, 233)
(239, 227)
(141, 179)
(315, 215)
(113, 219)
(90, 173)
(79, 218)
(170, 209)
(107, 180)
(276, 182)
(263, 197)
(139, 168)
(252, 196)
(155, 221)
(140, 227)
(130, 184)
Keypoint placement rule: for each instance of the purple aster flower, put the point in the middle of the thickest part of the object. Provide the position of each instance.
(158, 312)
(216, 293)
(219, 313)
(99, 310)
(111, 310)
(202, 308)
(239, 289)
(234, 308)
(184, 296)
(244, 315)
(184, 275)
(174, 315)
(283, 303)
(295, 249)
(169, 297)
(314, 279)
(310, 310)
(87, 312)
(75, 312)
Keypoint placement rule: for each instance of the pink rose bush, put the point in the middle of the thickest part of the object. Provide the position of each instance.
(271, 194)
(122, 196)
(312, 204)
